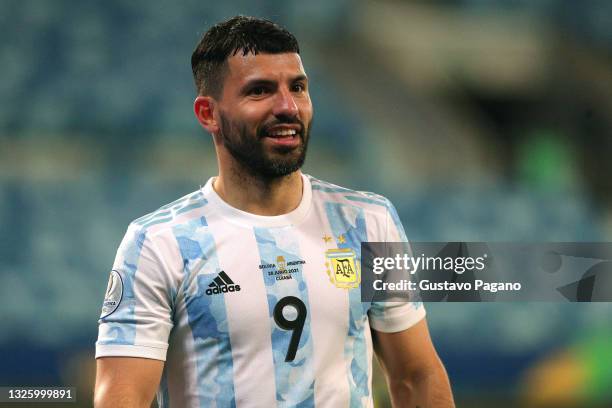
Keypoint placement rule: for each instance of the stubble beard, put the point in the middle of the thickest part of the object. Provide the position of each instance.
(249, 150)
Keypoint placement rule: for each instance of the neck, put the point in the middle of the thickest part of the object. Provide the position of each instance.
(259, 196)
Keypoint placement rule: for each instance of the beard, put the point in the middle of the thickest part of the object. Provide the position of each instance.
(249, 149)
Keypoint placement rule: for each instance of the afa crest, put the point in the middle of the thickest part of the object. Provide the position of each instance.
(342, 268)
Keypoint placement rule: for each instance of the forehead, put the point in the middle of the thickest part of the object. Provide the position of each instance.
(244, 68)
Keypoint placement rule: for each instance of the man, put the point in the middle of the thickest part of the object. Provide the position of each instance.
(246, 292)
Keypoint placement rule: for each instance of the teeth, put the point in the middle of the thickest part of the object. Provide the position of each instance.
(284, 132)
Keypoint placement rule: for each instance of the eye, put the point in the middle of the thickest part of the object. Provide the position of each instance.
(258, 91)
(298, 87)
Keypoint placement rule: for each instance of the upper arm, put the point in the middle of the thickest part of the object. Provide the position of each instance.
(135, 324)
(126, 381)
(408, 353)
(399, 329)
(137, 315)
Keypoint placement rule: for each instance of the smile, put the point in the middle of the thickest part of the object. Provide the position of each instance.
(287, 138)
(282, 133)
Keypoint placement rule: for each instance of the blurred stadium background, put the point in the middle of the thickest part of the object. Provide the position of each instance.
(481, 120)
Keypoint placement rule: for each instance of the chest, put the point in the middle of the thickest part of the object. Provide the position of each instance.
(267, 281)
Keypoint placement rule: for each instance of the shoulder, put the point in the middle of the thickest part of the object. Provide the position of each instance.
(331, 193)
(179, 212)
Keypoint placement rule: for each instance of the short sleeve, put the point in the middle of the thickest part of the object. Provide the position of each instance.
(136, 317)
(390, 317)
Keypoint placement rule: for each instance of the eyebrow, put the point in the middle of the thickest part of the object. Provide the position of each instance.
(266, 82)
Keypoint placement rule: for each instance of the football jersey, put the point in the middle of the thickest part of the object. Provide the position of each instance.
(249, 310)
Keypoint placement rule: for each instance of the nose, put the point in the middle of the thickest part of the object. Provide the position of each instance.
(285, 105)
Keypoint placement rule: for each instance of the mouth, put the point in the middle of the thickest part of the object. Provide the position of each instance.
(284, 135)
(282, 132)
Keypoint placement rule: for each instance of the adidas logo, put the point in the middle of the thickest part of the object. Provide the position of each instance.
(222, 284)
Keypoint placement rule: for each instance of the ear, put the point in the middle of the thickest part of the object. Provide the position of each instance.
(204, 108)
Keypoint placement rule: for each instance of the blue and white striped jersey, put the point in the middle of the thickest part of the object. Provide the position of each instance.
(253, 311)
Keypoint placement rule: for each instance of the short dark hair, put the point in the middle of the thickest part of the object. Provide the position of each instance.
(227, 38)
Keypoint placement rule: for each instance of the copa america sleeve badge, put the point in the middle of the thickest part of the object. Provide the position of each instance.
(342, 268)
(114, 294)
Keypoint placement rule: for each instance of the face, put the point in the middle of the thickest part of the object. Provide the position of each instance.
(265, 112)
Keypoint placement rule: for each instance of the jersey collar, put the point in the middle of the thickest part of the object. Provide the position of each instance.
(247, 219)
